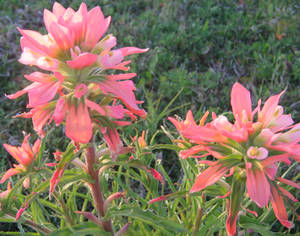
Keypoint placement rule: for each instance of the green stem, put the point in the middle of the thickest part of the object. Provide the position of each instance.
(90, 159)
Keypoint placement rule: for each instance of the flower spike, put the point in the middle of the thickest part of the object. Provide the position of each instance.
(249, 146)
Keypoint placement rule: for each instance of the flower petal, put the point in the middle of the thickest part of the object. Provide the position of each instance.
(5, 193)
(111, 59)
(78, 124)
(258, 186)
(26, 152)
(96, 26)
(23, 91)
(95, 107)
(288, 182)
(287, 194)
(202, 134)
(56, 178)
(271, 171)
(49, 18)
(268, 110)
(19, 213)
(15, 152)
(113, 141)
(209, 176)
(40, 77)
(241, 102)
(11, 172)
(277, 158)
(124, 91)
(121, 76)
(40, 116)
(60, 111)
(279, 208)
(78, 23)
(156, 175)
(58, 10)
(132, 50)
(42, 93)
(63, 36)
(116, 112)
(36, 146)
(83, 60)
(193, 150)
(36, 40)
(158, 199)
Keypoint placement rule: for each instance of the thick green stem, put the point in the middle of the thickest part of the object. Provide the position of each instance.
(90, 159)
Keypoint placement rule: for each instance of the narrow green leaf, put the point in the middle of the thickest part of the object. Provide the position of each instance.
(165, 146)
(167, 177)
(37, 212)
(7, 220)
(148, 217)
(41, 151)
(205, 26)
(85, 228)
(258, 228)
(166, 109)
(50, 205)
(254, 224)
(18, 233)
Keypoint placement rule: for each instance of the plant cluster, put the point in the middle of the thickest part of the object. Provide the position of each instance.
(106, 184)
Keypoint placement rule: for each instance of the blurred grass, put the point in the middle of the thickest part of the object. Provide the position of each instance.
(201, 47)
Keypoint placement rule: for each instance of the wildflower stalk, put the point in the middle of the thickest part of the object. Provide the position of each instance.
(90, 159)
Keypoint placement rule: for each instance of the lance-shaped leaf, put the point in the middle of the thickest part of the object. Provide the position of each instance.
(164, 224)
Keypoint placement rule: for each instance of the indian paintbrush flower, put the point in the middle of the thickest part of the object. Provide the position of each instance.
(249, 148)
(24, 155)
(79, 89)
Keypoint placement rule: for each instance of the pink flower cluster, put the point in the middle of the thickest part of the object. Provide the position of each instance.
(79, 89)
(24, 155)
(252, 146)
